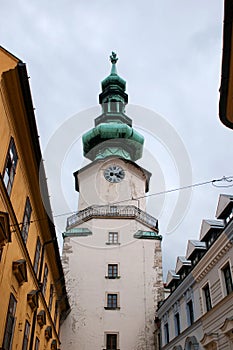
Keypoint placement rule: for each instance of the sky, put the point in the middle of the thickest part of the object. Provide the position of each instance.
(170, 56)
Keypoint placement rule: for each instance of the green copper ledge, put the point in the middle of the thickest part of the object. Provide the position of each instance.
(147, 235)
(77, 232)
(108, 135)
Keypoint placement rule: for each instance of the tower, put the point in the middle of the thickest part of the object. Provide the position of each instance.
(112, 247)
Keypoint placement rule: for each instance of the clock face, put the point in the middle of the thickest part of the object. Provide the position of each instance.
(114, 173)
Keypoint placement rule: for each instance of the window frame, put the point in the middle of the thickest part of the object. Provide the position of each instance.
(37, 343)
(113, 335)
(37, 256)
(51, 292)
(207, 297)
(45, 279)
(112, 301)
(113, 271)
(56, 310)
(26, 220)
(10, 323)
(26, 335)
(166, 333)
(177, 323)
(190, 312)
(113, 237)
(10, 164)
(227, 280)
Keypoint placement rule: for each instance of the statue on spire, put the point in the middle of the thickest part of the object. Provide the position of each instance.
(113, 58)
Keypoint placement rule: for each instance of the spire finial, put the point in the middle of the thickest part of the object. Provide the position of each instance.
(113, 58)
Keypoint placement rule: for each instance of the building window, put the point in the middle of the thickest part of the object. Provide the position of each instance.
(111, 341)
(26, 220)
(166, 333)
(10, 324)
(10, 167)
(177, 324)
(112, 270)
(190, 314)
(113, 237)
(51, 296)
(112, 301)
(37, 255)
(26, 335)
(206, 291)
(114, 106)
(37, 344)
(46, 271)
(55, 313)
(227, 278)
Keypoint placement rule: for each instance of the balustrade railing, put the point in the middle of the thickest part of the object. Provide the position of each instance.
(112, 211)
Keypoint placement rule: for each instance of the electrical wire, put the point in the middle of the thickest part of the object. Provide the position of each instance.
(228, 179)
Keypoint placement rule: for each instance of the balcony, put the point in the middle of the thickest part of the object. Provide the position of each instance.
(112, 212)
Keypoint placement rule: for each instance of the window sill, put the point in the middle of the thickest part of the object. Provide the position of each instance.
(112, 277)
(109, 243)
(111, 308)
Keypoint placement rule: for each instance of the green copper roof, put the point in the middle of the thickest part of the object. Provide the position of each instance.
(109, 135)
(114, 79)
(113, 133)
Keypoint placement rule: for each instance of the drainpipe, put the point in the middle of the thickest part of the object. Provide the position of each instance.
(38, 291)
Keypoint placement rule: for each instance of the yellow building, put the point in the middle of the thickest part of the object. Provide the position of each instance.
(226, 88)
(33, 297)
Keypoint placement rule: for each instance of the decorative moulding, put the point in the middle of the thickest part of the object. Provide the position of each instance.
(41, 318)
(32, 299)
(19, 268)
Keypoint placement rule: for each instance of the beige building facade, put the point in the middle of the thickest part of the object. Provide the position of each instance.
(198, 313)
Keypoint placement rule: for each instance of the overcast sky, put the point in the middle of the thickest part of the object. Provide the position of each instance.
(169, 54)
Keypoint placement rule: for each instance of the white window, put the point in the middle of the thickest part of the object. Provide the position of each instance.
(113, 238)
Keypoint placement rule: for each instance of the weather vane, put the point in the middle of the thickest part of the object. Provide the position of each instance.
(113, 57)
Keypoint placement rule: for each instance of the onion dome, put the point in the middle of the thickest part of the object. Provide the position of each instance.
(113, 133)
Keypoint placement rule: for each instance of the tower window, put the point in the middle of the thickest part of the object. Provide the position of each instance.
(112, 301)
(111, 341)
(113, 237)
(112, 270)
(10, 167)
(114, 106)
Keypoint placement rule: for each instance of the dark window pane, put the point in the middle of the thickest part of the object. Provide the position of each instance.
(190, 312)
(26, 336)
(206, 290)
(46, 271)
(112, 270)
(10, 322)
(26, 220)
(111, 341)
(37, 255)
(228, 278)
(10, 166)
(112, 301)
